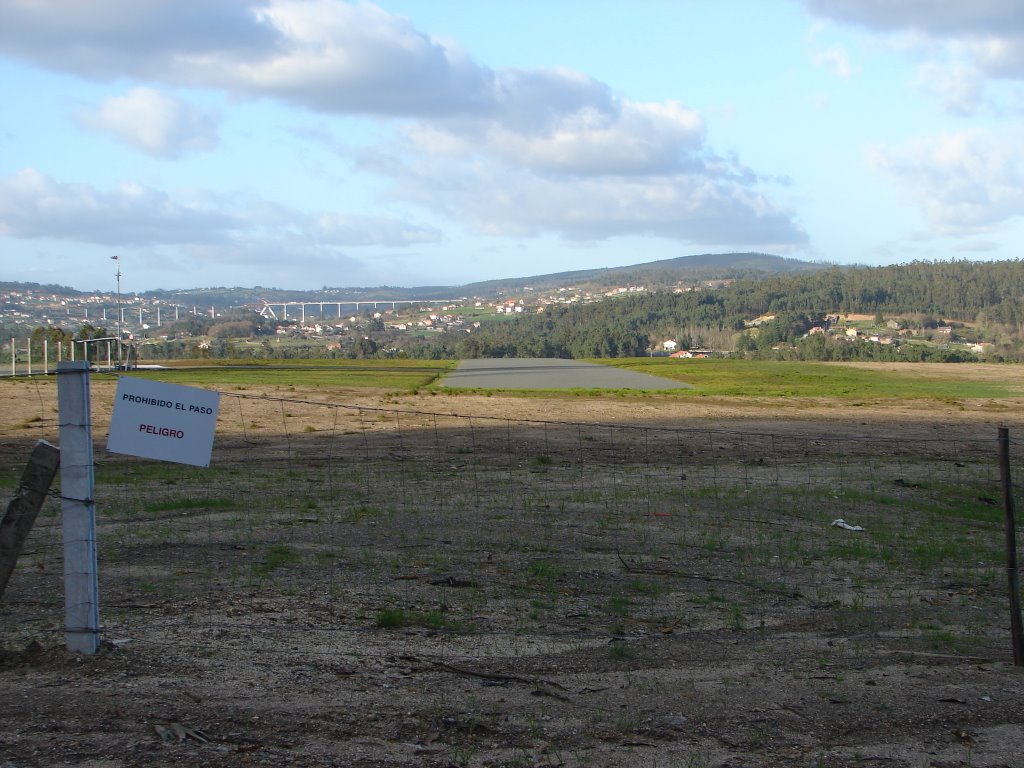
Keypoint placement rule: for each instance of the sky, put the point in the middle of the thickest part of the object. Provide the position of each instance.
(300, 144)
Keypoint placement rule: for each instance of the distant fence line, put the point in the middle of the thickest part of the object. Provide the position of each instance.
(43, 358)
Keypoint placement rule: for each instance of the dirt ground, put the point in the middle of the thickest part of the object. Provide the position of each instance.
(529, 660)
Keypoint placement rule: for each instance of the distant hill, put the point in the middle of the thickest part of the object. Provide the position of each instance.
(652, 275)
(60, 290)
(655, 274)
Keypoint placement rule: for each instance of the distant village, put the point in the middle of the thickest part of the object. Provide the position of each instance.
(142, 320)
(865, 329)
(143, 317)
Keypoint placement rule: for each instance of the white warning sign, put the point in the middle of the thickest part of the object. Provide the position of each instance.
(167, 422)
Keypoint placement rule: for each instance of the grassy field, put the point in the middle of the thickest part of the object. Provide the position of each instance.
(762, 378)
(709, 378)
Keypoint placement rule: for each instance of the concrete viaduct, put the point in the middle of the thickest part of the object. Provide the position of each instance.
(299, 307)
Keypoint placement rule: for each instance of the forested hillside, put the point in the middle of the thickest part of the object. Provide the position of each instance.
(958, 290)
(654, 274)
(987, 296)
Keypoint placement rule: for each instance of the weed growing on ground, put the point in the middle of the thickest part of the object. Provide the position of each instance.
(276, 557)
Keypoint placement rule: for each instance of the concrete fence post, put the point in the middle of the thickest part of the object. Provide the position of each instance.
(77, 482)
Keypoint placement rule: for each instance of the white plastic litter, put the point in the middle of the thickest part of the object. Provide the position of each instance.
(840, 523)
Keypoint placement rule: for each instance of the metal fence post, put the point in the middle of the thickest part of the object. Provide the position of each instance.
(81, 582)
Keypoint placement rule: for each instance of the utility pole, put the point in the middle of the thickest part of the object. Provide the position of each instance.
(118, 260)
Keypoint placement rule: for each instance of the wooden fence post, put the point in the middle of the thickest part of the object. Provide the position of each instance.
(22, 511)
(81, 580)
(1016, 628)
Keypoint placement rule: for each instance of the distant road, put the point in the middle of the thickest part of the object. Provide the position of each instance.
(549, 373)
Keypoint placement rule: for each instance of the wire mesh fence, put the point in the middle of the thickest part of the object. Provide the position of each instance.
(323, 529)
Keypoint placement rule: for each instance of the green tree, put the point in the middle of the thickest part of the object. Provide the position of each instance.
(365, 347)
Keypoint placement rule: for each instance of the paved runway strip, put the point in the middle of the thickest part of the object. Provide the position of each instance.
(549, 373)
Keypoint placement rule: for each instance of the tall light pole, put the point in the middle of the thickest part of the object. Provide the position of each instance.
(118, 260)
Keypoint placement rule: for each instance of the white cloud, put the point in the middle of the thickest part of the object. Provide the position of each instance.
(34, 206)
(946, 18)
(999, 56)
(153, 122)
(552, 142)
(957, 86)
(566, 156)
(337, 57)
(496, 199)
(609, 137)
(320, 54)
(836, 59)
(636, 139)
(966, 182)
(163, 40)
(966, 42)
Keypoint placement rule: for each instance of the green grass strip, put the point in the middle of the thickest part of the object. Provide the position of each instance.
(766, 378)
